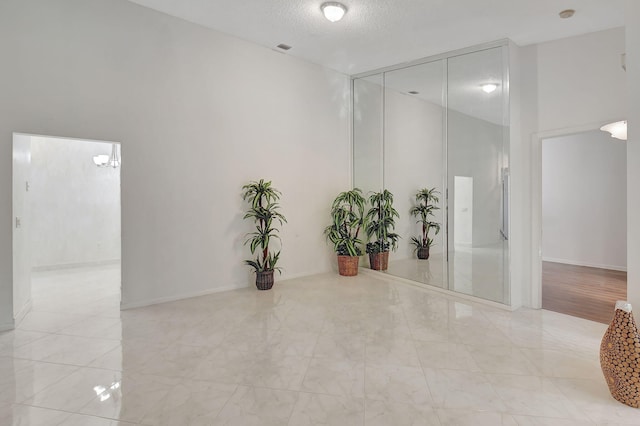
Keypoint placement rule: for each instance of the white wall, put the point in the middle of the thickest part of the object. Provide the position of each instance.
(564, 86)
(198, 114)
(22, 228)
(580, 80)
(584, 200)
(633, 153)
(75, 212)
(522, 122)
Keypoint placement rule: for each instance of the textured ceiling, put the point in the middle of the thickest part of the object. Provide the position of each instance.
(378, 33)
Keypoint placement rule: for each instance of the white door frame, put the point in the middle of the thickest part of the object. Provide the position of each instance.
(18, 316)
(536, 201)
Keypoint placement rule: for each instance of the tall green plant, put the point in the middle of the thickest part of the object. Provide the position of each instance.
(423, 210)
(347, 214)
(381, 222)
(264, 210)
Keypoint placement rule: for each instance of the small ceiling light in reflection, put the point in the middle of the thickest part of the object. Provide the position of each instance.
(489, 87)
(104, 160)
(618, 129)
(333, 11)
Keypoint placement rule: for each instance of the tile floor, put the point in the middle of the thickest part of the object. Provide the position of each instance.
(321, 350)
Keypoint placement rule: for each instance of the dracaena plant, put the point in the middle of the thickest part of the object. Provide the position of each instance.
(264, 211)
(347, 214)
(380, 221)
(423, 210)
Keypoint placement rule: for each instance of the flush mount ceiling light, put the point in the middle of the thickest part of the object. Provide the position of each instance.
(104, 160)
(489, 87)
(566, 14)
(618, 129)
(333, 11)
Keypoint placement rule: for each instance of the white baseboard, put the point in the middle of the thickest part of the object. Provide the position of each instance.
(7, 327)
(23, 312)
(587, 264)
(156, 301)
(44, 268)
(290, 277)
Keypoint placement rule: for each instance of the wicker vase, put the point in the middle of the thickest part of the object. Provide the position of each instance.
(423, 253)
(348, 265)
(264, 280)
(620, 356)
(379, 261)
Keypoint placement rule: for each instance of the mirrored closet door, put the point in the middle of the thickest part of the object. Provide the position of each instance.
(441, 125)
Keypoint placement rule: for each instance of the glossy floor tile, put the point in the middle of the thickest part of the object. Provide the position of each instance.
(319, 350)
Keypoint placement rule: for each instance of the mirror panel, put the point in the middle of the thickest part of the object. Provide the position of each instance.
(368, 116)
(414, 117)
(476, 135)
(432, 125)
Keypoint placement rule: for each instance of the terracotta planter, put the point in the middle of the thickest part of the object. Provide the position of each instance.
(264, 280)
(379, 261)
(620, 356)
(423, 253)
(348, 265)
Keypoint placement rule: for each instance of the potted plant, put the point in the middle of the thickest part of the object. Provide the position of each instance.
(380, 223)
(347, 214)
(264, 210)
(423, 210)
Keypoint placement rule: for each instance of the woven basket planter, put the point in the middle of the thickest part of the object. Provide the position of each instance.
(348, 265)
(379, 261)
(264, 280)
(423, 253)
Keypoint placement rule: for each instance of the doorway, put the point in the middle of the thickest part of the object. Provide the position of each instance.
(67, 233)
(583, 224)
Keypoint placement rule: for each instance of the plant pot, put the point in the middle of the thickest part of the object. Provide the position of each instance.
(423, 253)
(379, 261)
(348, 265)
(264, 280)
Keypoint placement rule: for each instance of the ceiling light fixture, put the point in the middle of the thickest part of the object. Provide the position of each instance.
(618, 129)
(489, 87)
(104, 160)
(566, 14)
(333, 11)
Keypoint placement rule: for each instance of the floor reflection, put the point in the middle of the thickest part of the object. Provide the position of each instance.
(477, 271)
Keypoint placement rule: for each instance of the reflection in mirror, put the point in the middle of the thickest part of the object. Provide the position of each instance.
(477, 128)
(367, 133)
(413, 160)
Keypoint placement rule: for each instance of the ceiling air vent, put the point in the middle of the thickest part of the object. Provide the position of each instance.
(283, 46)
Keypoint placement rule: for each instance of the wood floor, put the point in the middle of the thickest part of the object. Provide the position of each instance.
(589, 293)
